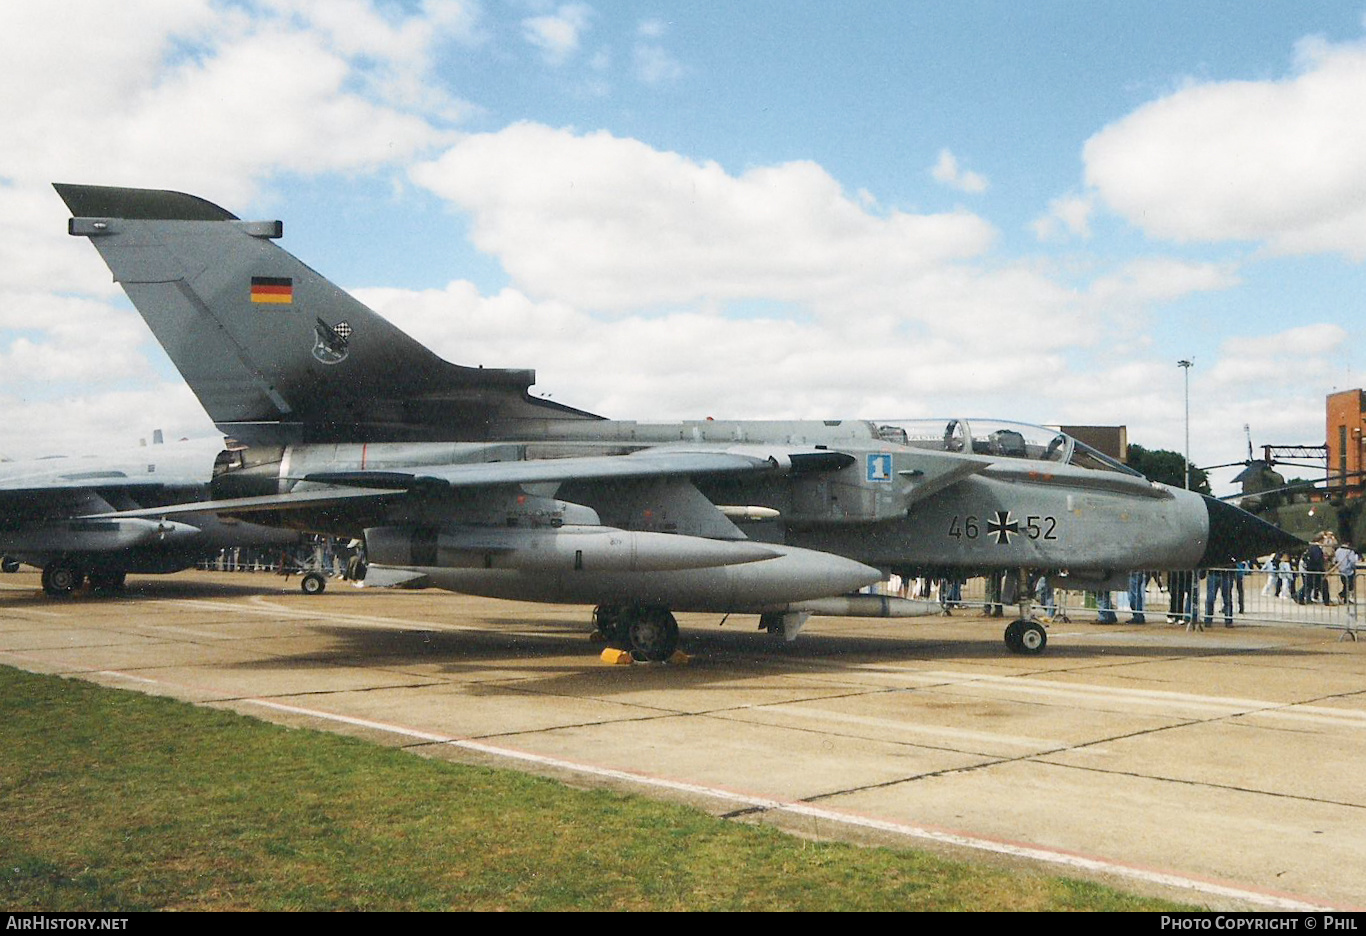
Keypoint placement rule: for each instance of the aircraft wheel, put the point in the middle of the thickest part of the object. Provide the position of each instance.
(108, 581)
(1033, 638)
(60, 579)
(613, 625)
(1013, 631)
(654, 635)
(313, 583)
(8, 565)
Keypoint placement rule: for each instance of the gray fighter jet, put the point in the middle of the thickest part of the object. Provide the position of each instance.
(46, 508)
(459, 474)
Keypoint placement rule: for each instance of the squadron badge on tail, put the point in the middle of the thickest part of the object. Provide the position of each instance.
(332, 342)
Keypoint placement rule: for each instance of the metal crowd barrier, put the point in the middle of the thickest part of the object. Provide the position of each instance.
(1255, 597)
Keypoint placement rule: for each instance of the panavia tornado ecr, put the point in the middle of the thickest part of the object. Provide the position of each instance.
(458, 474)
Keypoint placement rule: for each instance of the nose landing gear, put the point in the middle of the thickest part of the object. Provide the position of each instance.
(1026, 637)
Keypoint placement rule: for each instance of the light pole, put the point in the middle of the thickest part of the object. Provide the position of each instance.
(1186, 366)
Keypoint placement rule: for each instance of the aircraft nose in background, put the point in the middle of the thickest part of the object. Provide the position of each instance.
(1236, 534)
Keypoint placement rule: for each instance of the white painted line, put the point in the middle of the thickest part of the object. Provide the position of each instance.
(1063, 859)
(1109, 692)
(129, 676)
(1087, 693)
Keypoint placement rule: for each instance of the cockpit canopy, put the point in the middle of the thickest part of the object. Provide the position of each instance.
(1000, 438)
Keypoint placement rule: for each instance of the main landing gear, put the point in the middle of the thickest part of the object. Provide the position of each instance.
(60, 578)
(650, 633)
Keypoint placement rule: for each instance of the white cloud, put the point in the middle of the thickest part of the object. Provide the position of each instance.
(654, 65)
(197, 93)
(67, 338)
(394, 56)
(607, 223)
(697, 363)
(208, 97)
(357, 28)
(92, 422)
(1150, 280)
(558, 35)
(1281, 162)
(947, 171)
(700, 363)
(1279, 359)
(1069, 215)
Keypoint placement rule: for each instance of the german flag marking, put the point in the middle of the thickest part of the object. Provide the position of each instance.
(272, 290)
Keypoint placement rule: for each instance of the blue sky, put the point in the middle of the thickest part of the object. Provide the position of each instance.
(758, 209)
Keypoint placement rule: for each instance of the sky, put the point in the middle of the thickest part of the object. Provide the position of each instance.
(765, 209)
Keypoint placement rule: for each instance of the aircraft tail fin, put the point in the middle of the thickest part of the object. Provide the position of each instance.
(275, 352)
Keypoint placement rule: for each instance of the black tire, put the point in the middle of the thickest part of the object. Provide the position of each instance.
(108, 581)
(654, 635)
(1012, 636)
(614, 626)
(8, 565)
(60, 579)
(313, 583)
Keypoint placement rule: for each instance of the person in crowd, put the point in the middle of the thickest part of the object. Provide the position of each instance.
(1043, 594)
(992, 598)
(1345, 561)
(1240, 572)
(1180, 609)
(1315, 584)
(1105, 608)
(1138, 587)
(1219, 582)
(1273, 582)
(1285, 586)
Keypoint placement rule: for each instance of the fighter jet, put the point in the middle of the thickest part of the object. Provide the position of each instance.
(46, 508)
(460, 474)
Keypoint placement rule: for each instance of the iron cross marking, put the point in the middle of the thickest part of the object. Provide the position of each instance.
(1003, 526)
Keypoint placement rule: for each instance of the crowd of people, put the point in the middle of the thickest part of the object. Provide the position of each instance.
(334, 556)
(1305, 578)
(1314, 569)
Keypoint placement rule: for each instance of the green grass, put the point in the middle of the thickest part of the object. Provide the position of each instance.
(114, 800)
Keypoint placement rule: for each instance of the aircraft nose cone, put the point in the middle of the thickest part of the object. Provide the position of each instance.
(1236, 534)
